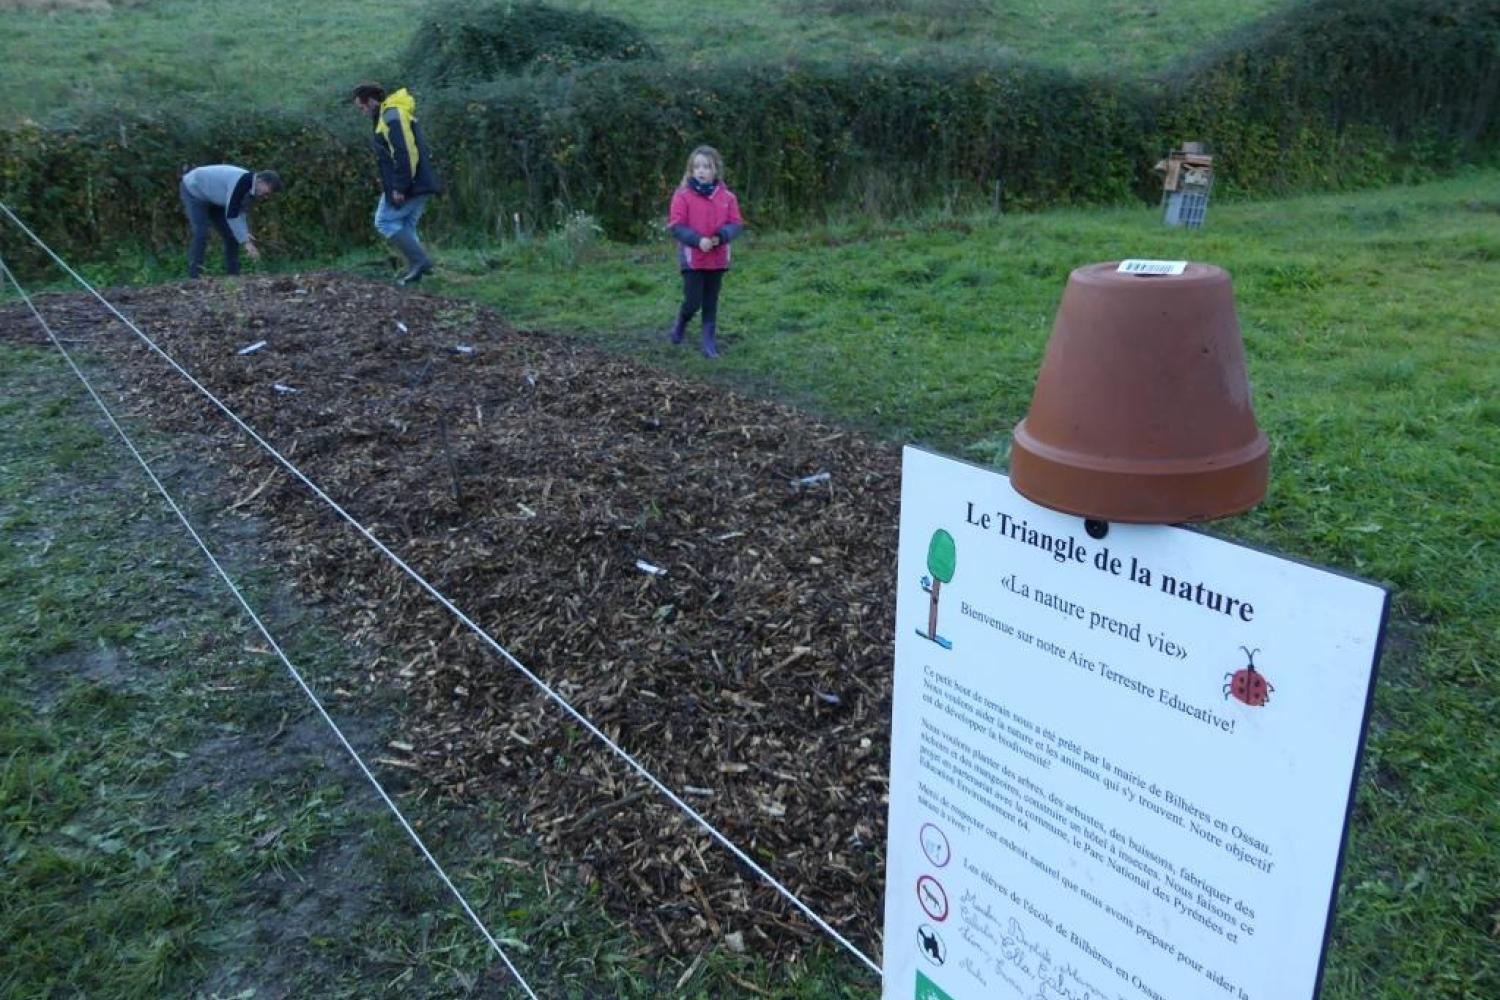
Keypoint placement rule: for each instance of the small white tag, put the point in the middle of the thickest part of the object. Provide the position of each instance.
(463, 348)
(401, 326)
(252, 348)
(283, 389)
(646, 567)
(1154, 267)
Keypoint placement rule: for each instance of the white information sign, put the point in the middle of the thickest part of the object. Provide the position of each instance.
(1121, 768)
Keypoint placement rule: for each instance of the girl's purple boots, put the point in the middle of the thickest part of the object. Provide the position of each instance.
(710, 341)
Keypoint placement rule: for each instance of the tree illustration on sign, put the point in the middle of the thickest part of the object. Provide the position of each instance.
(942, 561)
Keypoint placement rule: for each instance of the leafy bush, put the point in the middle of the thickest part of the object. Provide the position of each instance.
(458, 43)
(799, 142)
(1344, 92)
(1333, 93)
(577, 234)
(877, 8)
(113, 180)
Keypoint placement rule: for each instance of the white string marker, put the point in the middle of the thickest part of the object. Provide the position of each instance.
(274, 645)
(463, 618)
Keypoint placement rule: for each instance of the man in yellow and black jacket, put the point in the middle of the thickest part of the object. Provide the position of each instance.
(407, 178)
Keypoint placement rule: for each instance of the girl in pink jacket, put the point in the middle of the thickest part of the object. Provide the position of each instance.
(704, 220)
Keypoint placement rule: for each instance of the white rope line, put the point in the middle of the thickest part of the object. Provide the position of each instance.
(469, 623)
(266, 634)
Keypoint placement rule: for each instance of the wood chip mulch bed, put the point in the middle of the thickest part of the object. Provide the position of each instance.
(528, 478)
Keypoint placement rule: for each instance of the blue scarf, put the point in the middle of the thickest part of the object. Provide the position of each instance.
(706, 190)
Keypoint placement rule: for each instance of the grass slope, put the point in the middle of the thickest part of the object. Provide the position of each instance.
(1369, 323)
(54, 61)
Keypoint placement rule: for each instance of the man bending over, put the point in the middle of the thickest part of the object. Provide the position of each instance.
(221, 195)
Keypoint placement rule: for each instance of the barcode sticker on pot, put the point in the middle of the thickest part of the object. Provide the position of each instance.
(1152, 267)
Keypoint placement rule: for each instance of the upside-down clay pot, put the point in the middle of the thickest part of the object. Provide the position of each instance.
(1142, 409)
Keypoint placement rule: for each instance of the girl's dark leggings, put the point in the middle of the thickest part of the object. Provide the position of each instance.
(700, 290)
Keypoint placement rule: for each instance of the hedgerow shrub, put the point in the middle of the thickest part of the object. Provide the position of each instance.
(1346, 92)
(799, 141)
(112, 180)
(458, 43)
(1343, 93)
(939, 8)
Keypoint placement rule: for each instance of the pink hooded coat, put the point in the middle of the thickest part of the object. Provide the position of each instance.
(706, 217)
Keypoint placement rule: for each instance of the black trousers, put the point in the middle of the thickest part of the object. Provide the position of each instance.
(201, 215)
(700, 290)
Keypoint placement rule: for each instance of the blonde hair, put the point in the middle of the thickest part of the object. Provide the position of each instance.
(711, 155)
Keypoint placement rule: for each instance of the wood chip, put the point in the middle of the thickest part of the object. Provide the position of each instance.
(564, 484)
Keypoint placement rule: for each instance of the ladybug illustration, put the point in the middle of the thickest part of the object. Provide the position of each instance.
(1248, 684)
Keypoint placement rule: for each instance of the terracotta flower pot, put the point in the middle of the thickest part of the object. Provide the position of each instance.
(1142, 409)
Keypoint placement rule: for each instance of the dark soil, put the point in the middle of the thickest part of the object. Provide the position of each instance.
(526, 478)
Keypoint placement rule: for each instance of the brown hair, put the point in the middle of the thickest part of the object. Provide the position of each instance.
(711, 155)
(270, 178)
(369, 92)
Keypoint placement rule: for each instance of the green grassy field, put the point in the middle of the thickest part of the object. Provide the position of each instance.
(1369, 323)
(1374, 358)
(1369, 328)
(59, 59)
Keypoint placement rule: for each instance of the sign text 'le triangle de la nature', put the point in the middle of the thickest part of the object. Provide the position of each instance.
(1121, 768)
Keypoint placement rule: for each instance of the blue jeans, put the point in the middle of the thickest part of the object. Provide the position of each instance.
(202, 214)
(391, 219)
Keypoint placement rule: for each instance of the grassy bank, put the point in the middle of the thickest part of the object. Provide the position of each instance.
(534, 127)
(61, 57)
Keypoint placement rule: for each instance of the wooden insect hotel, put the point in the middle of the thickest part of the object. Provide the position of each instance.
(1187, 179)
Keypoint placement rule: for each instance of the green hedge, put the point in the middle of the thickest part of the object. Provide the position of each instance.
(119, 173)
(111, 182)
(1346, 92)
(458, 44)
(797, 142)
(1333, 93)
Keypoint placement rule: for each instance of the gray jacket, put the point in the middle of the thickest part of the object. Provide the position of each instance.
(230, 188)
